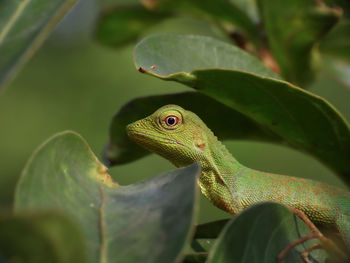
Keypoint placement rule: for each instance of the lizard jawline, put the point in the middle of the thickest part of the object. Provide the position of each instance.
(157, 137)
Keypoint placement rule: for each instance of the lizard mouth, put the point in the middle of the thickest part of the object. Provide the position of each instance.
(137, 135)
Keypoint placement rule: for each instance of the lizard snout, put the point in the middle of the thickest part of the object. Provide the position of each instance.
(132, 128)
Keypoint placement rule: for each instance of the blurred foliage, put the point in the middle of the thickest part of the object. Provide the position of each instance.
(78, 84)
(40, 237)
(24, 25)
(337, 42)
(293, 29)
(128, 21)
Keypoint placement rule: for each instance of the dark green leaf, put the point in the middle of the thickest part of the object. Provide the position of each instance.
(121, 149)
(24, 25)
(337, 42)
(293, 27)
(239, 81)
(200, 245)
(148, 221)
(195, 258)
(210, 229)
(40, 237)
(205, 235)
(259, 234)
(221, 11)
(123, 24)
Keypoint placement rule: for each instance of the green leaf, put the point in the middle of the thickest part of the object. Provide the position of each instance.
(224, 12)
(167, 54)
(121, 25)
(337, 42)
(24, 25)
(195, 258)
(40, 237)
(210, 229)
(205, 236)
(149, 221)
(121, 149)
(201, 245)
(259, 234)
(293, 27)
(239, 81)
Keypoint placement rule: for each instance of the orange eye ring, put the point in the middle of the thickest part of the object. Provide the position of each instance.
(171, 120)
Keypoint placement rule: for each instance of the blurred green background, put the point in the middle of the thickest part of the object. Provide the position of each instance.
(74, 83)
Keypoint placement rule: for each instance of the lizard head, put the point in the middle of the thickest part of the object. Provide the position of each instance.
(174, 133)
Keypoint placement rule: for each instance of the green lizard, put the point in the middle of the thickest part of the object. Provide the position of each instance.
(183, 138)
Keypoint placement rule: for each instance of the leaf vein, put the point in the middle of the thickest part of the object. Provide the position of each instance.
(102, 226)
(13, 19)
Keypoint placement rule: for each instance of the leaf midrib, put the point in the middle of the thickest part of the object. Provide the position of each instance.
(103, 247)
(6, 29)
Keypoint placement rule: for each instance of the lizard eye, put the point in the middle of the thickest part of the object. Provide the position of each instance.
(171, 120)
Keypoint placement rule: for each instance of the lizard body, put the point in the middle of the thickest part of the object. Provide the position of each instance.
(183, 138)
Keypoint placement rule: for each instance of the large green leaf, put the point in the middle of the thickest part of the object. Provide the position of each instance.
(238, 80)
(120, 25)
(121, 149)
(168, 54)
(259, 234)
(40, 237)
(148, 221)
(24, 25)
(337, 42)
(293, 27)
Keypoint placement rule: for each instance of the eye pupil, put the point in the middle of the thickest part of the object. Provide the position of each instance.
(171, 120)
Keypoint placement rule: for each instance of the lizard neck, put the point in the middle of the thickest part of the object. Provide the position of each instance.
(219, 169)
(219, 159)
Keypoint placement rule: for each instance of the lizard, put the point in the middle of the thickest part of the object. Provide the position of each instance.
(183, 138)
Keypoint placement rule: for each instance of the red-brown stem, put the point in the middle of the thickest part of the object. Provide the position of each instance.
(285, 251)
(268, 60)
(304, 255)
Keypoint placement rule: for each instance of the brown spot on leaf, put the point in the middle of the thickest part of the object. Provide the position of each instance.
(142, 70)
(153, 67)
